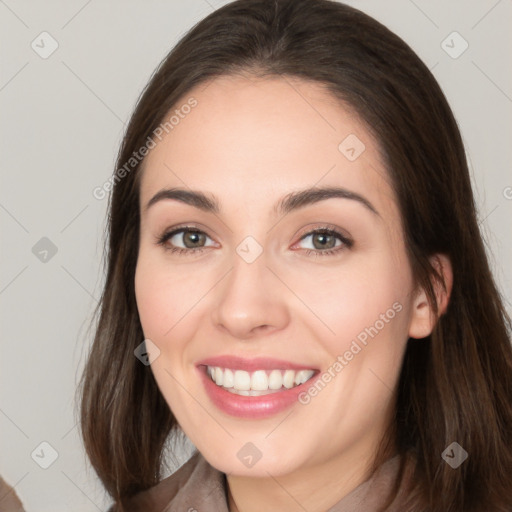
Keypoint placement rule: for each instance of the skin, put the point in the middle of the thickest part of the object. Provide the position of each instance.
(250, 142)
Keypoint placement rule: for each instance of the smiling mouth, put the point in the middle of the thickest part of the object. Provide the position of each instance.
(259, 382)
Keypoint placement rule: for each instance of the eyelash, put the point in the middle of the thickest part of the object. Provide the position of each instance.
(324, 230)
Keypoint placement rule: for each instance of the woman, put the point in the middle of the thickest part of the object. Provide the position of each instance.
(375, 377)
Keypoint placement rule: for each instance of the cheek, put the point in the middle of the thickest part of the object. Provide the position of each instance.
(368, 303)
(373, 330)
(167, 300)
(368, 311)
(362, 294)
(156, 303)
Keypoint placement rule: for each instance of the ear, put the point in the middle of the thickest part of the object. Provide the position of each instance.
(423, 319)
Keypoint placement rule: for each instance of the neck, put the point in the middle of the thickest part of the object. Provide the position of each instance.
(312, 488)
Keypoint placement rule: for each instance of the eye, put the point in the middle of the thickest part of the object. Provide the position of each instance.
(190, 237)
(324, 241)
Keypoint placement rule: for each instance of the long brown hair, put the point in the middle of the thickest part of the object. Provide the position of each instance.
(455, 385)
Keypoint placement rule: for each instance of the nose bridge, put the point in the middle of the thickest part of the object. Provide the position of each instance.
(249, 269)
(248, 298)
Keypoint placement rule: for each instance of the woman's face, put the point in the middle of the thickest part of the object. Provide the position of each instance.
(259, 299)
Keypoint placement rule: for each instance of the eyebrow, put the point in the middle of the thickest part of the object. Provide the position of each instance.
(293, 201)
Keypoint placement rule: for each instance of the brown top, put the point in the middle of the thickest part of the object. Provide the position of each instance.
(9, 501)
(198, 486)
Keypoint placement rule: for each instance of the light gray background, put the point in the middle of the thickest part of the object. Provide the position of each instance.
(62, 119)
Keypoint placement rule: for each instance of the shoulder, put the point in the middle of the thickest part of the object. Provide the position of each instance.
(386, 489)
(196, 480)
(396, 477)
(9, 501)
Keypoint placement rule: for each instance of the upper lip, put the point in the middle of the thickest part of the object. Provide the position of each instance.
(253, 364)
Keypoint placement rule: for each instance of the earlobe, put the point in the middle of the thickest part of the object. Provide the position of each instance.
(423, 319)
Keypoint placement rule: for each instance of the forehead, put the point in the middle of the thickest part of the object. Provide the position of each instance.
(250, 140)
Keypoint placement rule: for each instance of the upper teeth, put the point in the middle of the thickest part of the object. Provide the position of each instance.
(260, 380)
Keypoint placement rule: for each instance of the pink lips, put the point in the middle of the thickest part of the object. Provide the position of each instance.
(251, 407)
(251, 365)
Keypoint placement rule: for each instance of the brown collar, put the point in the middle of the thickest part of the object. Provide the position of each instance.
(199, 486)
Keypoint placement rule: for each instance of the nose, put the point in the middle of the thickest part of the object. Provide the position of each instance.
(251, 300)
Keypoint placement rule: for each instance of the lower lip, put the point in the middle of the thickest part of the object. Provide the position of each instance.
(253, 407)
